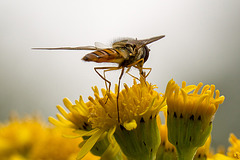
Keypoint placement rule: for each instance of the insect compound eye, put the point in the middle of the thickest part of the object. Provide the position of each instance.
(145, 53)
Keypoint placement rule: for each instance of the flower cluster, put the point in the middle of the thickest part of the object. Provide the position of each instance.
(98, 130)
(136, 131)
(127, 135)
(30, 138)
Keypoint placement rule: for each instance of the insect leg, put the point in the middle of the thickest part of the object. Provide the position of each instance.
(149, 71)
(119, 79)
(131, 74)
(105, 69)
(138, 64)
(143, 73)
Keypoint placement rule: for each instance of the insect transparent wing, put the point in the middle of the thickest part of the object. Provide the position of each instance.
(150, 40)
(70, 48)
(143, 42)
(99, 45)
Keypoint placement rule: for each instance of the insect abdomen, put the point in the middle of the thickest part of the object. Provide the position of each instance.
(105, 55)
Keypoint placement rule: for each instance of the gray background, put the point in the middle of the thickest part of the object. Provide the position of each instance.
(201, 44)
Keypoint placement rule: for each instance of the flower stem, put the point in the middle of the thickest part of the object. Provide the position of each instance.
(143, 158)
(185, 154)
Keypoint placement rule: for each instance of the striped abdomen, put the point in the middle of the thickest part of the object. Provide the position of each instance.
(105, 55)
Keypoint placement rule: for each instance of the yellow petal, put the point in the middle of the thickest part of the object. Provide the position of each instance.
(89, 144)
(86, 133)
(110, 134)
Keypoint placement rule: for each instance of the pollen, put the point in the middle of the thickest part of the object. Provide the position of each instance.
(136, 102)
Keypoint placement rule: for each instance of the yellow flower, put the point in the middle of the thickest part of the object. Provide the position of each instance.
(166, 150)
(193, 105)
(138, 107)
(190, 116)
(18, 137)
(54, 146)
(234, 150)
(14, 157)
(29, 138)
(219, 156)
(137, 102)
(78, 121)
(203, 151)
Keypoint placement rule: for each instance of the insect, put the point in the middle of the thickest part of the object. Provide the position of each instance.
(126, 53)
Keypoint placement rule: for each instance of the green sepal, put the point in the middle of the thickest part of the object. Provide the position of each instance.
(141, 143)
(187, 133)
(166, 153)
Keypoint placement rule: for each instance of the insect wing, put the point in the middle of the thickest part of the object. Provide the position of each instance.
(99, 46)
(143, 42)
(150, 40)
(70, 48)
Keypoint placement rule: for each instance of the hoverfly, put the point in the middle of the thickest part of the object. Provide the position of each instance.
(126, 53)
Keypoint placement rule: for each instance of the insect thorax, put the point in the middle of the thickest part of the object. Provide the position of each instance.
(134, 56)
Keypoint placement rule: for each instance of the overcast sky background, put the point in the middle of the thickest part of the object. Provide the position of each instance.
(202, 44)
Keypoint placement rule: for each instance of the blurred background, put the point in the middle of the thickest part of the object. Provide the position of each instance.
(202, 44)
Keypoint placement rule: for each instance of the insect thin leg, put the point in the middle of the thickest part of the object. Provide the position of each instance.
(145, 75)
(109, 86)
(150, 69)
(131, 74)
(138, 64)
(103, 77)
(120, 77)
(105, 69)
